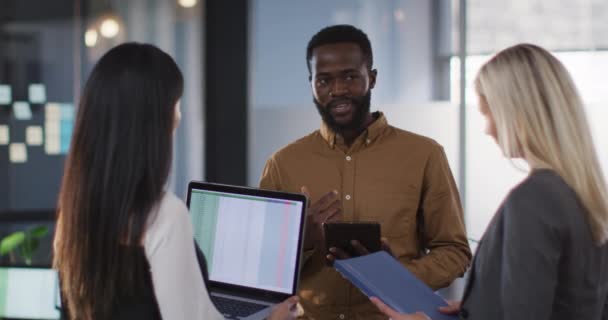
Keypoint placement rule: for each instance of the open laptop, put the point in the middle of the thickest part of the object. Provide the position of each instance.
(252, 240)
(28, 293)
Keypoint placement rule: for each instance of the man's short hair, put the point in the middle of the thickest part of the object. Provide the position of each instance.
(339, 34)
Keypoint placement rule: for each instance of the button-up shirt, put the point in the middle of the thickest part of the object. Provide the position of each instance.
(387, 175)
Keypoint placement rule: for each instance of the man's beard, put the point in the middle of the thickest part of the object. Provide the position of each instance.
(361, 107)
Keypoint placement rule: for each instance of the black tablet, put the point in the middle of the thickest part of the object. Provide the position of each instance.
(340, 234)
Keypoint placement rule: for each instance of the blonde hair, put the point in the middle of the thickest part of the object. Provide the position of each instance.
(539, 114)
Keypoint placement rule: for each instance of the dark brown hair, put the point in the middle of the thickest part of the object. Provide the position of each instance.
(115, 175)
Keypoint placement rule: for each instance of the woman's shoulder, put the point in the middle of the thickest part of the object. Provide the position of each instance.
(544, 196)
(169, 208)
(541, 186)
(171, 201)
(168, 215)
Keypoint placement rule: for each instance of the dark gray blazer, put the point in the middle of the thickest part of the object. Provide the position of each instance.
(537, 259)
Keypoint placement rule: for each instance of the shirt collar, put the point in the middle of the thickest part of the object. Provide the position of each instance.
(370, 134)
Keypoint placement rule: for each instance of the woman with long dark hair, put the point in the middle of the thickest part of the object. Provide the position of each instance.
(124, 245)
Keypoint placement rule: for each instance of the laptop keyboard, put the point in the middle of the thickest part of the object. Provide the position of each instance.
(236, 308)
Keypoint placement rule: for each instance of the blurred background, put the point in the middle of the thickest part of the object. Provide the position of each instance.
(247, 92)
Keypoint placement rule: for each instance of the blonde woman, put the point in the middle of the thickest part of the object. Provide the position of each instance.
(544, 255)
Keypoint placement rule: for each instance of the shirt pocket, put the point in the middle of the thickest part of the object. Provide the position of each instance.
(394, 208)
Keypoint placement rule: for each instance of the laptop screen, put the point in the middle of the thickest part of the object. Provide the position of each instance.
(248, 240)
(28, 293)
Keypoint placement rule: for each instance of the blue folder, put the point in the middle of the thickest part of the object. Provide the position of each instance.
(382, 276)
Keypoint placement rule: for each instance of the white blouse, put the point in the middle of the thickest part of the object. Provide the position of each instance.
(178, 283)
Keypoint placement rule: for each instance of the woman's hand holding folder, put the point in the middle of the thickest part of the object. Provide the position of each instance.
(452, 309)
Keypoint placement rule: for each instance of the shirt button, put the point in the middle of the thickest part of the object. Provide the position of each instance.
(368, 141)
(348, 158)
(342, 316)
(347, 197)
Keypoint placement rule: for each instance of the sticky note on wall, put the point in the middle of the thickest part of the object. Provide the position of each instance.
(6, 96)
(52, 128)
(52, 146)
(22, 111)
(58, 127)
(33, 135)
(67, 125)
(17, 153)
(53, 112)
(4, 135)
(37, 93)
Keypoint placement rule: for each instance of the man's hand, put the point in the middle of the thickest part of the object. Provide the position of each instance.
(326, 209)
(339, 254)
(394, 315)
(336, 253)
(286, 310)
(386, 246)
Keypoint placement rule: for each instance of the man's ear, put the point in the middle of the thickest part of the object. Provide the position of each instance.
(372, 78)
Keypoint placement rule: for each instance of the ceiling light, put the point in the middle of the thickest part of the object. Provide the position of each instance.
(90, 38)
(109, 27)
(187, 3)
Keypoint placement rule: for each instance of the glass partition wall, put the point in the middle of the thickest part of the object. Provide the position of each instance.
(47, 51)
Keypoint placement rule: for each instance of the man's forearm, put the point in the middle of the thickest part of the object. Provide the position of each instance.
(441, 266)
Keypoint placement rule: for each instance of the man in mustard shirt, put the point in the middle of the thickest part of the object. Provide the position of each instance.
(357, 167)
